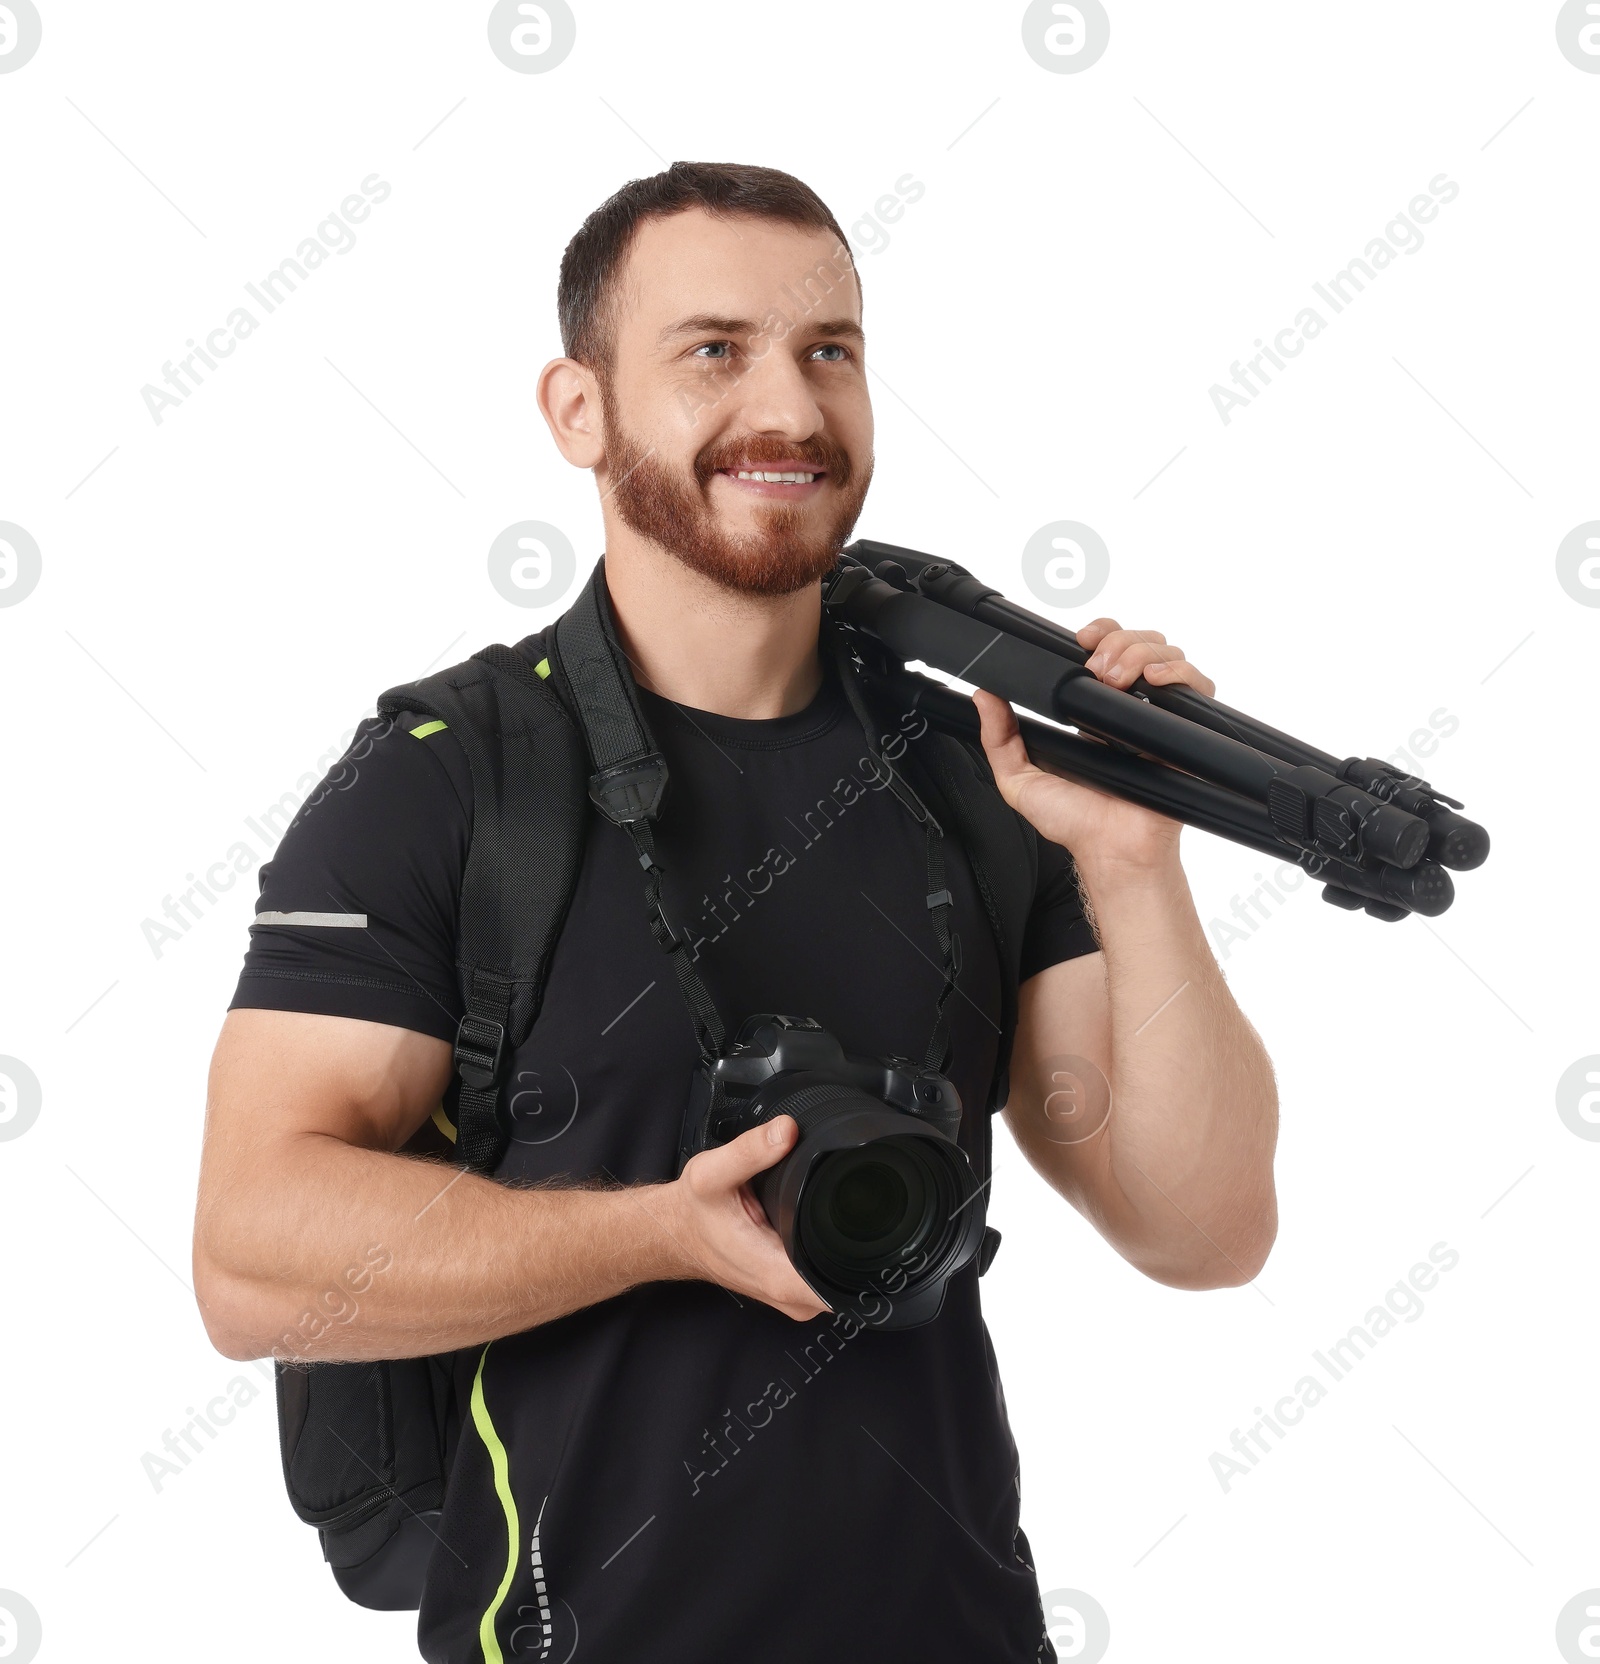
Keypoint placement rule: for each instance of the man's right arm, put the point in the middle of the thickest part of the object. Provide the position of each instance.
(316, 1238)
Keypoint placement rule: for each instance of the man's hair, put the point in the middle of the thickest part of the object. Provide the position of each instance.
(586, 295)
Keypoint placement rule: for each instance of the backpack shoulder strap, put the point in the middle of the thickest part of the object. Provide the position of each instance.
(396, 1417)
(529, 818)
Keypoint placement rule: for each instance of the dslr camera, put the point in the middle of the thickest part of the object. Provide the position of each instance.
(876, 1197)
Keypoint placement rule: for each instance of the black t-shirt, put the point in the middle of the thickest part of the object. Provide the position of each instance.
(679, 1473)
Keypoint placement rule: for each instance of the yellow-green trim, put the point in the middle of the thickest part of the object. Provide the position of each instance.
(422, 731)
(502, 1484)
(543, 667)
(444, 1123)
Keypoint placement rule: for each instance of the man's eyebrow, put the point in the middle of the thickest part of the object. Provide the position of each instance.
(710, 323)
(839, 326)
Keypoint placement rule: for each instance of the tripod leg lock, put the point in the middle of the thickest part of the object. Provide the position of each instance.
(1389, 912)
(1309, 806)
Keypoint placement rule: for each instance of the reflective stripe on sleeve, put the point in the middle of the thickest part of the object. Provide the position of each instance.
(342, 921)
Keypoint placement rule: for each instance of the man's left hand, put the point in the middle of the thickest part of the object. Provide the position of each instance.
(1100, 830)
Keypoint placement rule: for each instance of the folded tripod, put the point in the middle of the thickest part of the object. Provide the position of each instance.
(1376, 838)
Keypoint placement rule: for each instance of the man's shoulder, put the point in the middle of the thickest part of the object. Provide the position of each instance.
(399, 757)
(404, 736)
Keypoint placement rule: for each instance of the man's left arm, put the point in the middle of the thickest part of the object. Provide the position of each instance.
(1169, 1152)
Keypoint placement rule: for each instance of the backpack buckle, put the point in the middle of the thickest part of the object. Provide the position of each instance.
(480, 1052)
(630, 790)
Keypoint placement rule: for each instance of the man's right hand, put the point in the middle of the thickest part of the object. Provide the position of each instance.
(304, 1192)
(728, 1237)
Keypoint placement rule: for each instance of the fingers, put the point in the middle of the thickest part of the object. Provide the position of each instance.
(1002, 741)
(1173, 672)
(998, 720)
(725, 1166)
(744, 1254)
(1123, 665)
(753, 1209)
(1091, 635)
(1106, 638)
(795, 1297)
(1114, 645)
(1123, 656)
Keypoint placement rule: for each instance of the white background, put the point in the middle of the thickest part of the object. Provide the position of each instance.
(223, 595)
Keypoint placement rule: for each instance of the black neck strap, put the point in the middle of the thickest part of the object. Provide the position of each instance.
(630, 774)
(940, 1043)
(629, 783)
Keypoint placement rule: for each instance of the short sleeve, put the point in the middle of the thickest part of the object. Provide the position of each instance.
(1057, 928)
(358, 905)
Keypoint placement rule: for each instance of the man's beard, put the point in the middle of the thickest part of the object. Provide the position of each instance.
(675, 511)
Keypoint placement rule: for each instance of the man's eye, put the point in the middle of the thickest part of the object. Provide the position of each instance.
(709, 346)
(833, 346)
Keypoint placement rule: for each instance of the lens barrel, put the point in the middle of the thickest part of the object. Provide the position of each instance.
(872, 1204)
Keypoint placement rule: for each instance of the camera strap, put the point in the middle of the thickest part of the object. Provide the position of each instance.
(630, 774)
(629, 783)
(939, 1055)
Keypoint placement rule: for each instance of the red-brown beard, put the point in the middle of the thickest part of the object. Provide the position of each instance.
(675, 512)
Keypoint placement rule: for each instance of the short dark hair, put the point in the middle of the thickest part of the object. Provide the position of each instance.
(586, 292)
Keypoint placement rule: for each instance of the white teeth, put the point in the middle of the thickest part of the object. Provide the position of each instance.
(791, 479)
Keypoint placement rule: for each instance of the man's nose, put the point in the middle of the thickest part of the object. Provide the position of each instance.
(774, 397)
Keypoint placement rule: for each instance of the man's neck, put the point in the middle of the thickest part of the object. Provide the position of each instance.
(700, 645)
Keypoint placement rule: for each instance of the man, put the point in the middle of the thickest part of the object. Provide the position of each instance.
(691, 1460)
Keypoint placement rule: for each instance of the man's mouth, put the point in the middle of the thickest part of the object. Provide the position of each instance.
(782, 483)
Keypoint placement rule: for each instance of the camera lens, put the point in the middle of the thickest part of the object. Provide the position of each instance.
(871, 1201)
(868, 1202)
(875, 1208)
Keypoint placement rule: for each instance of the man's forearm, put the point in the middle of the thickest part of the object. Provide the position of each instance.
(1194, 1116)
(370, 1254)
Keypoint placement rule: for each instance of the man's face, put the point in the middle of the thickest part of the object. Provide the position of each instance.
(738, 351)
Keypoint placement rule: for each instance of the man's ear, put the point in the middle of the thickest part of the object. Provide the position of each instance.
(569, 400)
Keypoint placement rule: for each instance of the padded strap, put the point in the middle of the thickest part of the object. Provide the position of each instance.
(629, 779)
(528, 820)
(588, 657)
(481, 1055)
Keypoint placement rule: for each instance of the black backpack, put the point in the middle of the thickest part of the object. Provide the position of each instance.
(550, 739)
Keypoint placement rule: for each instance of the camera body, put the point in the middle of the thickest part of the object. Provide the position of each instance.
(876, 1198)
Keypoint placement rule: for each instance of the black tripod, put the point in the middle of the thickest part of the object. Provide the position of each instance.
(1375, 837)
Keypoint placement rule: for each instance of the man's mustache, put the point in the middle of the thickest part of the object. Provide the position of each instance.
(820, 456)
